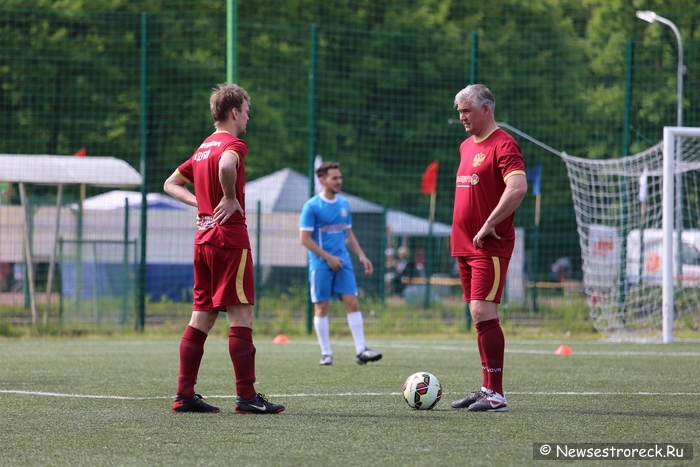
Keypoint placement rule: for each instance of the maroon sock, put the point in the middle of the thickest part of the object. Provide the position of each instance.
(484, 372)
(242, 352)
(191, 351)
(490, 337)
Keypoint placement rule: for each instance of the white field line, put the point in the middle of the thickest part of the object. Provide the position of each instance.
(630, 353)
(441, 347)
(350, 394)
(461, 348)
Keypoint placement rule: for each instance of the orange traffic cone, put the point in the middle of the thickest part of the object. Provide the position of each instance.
(563, 350)
(280, 339)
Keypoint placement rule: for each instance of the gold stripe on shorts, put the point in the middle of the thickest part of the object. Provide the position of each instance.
(239, 277)
(496, 279)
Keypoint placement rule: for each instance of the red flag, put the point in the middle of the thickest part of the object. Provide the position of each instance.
(82, 152)
(429, 185)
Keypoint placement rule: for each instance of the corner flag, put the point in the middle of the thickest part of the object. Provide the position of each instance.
(429, 182)
(534, 174)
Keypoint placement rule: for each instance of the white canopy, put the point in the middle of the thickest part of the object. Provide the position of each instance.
(116, 199)
(65, 170)
(281, 191)
(60, 170)
(287, 190)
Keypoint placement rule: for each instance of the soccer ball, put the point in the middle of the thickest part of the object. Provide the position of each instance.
(422, 390)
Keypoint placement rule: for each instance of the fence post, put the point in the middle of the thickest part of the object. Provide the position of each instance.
(258, 274)
(474, 62)
(125, 261)
(141, 285)
(231, 41)
(312, 146)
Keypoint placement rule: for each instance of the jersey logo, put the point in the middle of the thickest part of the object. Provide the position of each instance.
(478, 159)
(343, 212)
(202, 155)
(210, 144)
(465, 181)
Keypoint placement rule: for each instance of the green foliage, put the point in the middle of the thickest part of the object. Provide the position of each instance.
(556, 68)
(8, 330)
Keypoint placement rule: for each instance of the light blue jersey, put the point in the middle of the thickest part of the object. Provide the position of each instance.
(328, 222)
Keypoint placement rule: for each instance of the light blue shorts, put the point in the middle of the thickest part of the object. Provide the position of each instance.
(326, 283)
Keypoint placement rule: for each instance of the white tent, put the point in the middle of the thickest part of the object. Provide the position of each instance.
(274, 231)
(60, 170)
(283, 191)
(287, 191)
(116, 199)
(67, 170)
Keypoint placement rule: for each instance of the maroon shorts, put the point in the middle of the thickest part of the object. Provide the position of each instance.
(222, 277)
(482, 277)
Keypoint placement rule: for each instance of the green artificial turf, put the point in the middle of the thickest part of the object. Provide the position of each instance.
(92, 402)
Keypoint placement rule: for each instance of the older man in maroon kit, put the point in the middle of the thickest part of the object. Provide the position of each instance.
(490, 185)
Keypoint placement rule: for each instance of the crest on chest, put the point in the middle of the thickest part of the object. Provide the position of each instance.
(478, 159)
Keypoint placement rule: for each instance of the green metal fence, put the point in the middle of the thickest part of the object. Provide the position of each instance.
(369, 84)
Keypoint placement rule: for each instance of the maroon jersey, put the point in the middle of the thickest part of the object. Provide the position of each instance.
(202, 171)
(484, 167)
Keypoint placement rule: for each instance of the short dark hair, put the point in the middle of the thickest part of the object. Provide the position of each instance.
(224, 98)
(323, 169)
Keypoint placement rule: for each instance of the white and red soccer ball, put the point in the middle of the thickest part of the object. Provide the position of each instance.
(422, 390)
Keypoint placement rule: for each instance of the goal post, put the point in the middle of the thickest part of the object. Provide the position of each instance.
(672, 153)
(638, 219)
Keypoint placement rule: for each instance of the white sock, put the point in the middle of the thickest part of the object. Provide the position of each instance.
(323, 333)
(357, 328)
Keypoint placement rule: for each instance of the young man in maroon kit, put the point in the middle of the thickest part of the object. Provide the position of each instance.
(223, 267)
(491, 183)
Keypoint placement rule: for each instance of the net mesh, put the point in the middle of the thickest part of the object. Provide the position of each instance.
(131, 80)
(618, 205)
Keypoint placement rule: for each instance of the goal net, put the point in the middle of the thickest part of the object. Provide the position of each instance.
(620, 208)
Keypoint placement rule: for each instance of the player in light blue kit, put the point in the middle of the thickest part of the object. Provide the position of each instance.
(325, 229)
